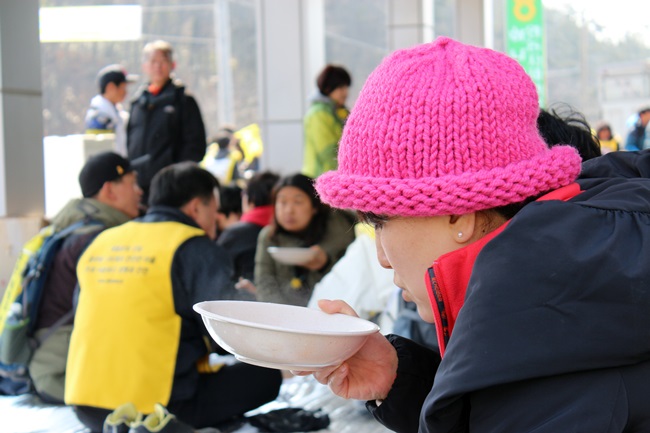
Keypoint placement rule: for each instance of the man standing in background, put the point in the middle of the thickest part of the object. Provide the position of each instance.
(165, 124)
(136, 337)
(105, 113)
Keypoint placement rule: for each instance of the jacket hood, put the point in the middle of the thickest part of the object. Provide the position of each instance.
(318, 97)
(78, 209)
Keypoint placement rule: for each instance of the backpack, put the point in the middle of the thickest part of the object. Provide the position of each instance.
(20, 306)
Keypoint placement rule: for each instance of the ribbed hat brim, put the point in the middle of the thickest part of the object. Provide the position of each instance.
(452, 194)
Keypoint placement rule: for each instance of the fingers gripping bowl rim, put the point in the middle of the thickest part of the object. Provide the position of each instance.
(284, 336)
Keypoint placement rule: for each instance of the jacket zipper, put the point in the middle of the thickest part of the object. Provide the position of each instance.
(440, 314)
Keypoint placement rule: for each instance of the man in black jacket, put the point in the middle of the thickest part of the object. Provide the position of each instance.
(136, 337)
(165, 124)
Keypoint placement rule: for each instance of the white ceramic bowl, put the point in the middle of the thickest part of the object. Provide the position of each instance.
(291, 255)
(284, 336)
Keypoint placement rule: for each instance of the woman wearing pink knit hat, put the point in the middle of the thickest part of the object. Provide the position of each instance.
(537, 280)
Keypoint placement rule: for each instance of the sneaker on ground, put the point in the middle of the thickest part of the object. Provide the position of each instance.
(161, 421)
(121, 419)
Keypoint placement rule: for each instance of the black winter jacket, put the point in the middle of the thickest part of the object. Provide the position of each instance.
(164, 129)
(240, 240)
(554, 333)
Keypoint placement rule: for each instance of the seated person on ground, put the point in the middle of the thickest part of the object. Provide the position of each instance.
(110, 197)
(230, 209)
(360, 281)
(240, 239)
(136, 337)
(301, 220)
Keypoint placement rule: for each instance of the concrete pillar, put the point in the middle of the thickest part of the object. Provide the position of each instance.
(21, 130)
(226, 110)
(410, 22)
(21, 125)
(470, 24)
(291, 51)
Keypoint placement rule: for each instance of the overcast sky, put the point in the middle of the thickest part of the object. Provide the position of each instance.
(616, 17)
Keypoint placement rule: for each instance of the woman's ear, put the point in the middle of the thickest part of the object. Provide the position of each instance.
(463, 227)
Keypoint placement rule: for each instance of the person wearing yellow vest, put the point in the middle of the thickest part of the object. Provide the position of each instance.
(222, 158)
(136, 338)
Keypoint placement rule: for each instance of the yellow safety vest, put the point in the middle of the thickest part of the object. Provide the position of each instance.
(126, 332)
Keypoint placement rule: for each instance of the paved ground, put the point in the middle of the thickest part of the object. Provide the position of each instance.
(26, 414)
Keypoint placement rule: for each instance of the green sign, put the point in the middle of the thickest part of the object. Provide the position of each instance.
(525, 40)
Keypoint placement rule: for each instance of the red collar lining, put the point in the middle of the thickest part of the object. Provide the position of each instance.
(448, 278)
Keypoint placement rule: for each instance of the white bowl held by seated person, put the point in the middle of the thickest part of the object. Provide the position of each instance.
(284, 336)
(291, 255)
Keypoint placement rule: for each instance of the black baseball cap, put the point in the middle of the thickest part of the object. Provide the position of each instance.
(113, 74)
(101, 168)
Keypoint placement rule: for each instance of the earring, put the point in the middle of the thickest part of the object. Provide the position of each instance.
(460, 235)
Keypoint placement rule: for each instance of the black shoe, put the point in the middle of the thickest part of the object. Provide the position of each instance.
(291, 419)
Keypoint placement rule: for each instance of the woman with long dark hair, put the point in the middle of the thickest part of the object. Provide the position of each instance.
(300, 220)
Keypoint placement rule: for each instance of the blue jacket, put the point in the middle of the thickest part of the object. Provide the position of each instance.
(554, 334)
(637, 138)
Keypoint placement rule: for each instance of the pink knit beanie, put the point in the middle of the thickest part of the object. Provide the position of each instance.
(443, 129)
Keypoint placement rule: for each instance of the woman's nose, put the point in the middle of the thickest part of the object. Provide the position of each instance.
(381, 255)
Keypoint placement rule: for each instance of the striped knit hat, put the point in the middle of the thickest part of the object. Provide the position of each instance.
(444, 129)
